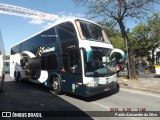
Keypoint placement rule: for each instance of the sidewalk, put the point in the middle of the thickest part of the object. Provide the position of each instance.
(147, 84)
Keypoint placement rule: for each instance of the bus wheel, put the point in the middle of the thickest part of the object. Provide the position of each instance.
(56, 86)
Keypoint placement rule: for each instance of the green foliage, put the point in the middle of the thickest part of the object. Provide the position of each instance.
(116, 39)
(154, 25)
(115, 36)
(140, 38)
(116, 12)
(144, 36)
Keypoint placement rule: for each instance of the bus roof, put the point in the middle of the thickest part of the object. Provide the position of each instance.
(56, 22)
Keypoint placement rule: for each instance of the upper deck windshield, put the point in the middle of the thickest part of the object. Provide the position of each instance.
(101, 64)
(91, 31)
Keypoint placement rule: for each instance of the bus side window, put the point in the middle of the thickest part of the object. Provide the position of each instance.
(43, 63)
(48, 37)
(66, 32)
(75, 63)
(52, 62)
(65, 62)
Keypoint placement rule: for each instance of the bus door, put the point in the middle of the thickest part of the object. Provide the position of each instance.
(73, 70)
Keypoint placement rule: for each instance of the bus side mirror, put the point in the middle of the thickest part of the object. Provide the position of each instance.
(123, 56)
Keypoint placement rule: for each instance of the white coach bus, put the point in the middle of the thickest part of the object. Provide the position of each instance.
(74, 55)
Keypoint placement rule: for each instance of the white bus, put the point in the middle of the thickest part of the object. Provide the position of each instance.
(74, 55)
(2, 53)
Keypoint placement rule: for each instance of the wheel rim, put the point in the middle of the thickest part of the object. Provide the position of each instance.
(55, 85)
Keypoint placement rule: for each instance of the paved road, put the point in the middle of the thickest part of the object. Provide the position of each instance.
(27, 96)
(147, 76)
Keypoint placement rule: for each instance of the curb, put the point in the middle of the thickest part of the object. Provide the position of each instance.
(138, 88)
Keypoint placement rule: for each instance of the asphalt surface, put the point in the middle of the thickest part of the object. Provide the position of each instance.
(28, 96)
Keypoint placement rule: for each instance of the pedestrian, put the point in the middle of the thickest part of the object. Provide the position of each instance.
(117, 69)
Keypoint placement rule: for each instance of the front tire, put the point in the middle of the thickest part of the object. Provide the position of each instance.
(56, 86)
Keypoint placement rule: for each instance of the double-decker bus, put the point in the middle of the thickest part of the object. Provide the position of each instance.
(2, 53)
(74, 56)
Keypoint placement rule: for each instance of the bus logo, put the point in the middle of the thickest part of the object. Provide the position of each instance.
(43, 50)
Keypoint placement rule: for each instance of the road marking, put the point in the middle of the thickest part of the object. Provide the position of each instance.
(141, 92)
(134, 118)
(108, 108)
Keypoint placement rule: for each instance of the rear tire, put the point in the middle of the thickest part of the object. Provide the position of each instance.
(56, 86)
(116, 89)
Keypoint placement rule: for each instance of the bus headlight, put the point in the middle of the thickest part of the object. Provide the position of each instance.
(91, 84)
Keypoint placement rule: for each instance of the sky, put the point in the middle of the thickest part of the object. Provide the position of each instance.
(15, 29)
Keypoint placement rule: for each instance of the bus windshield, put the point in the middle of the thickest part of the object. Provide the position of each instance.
(90, 31)
(101, 64)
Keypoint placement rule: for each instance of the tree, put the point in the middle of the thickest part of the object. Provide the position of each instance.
(145, 37)
(141, 40)
(116, 12)
(153, 24)
(116, 39)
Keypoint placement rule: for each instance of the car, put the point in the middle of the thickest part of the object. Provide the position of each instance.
(6, 66)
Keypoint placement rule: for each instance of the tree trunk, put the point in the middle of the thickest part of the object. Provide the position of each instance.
(133, 74)
(130, 54)
(153, 58)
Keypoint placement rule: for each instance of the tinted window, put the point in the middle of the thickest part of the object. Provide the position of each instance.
(46, 37)
(66, 31)
(16, 49)
(52, 62)
(49, 36)
(31, 43)
(65, 62)
(75, 61)
(34, 63)
(43, 63)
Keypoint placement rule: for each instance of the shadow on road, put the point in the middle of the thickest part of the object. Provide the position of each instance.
(95, 97)
(28, 96)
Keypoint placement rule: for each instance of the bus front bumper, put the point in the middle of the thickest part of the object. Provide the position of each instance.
(90, 91)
